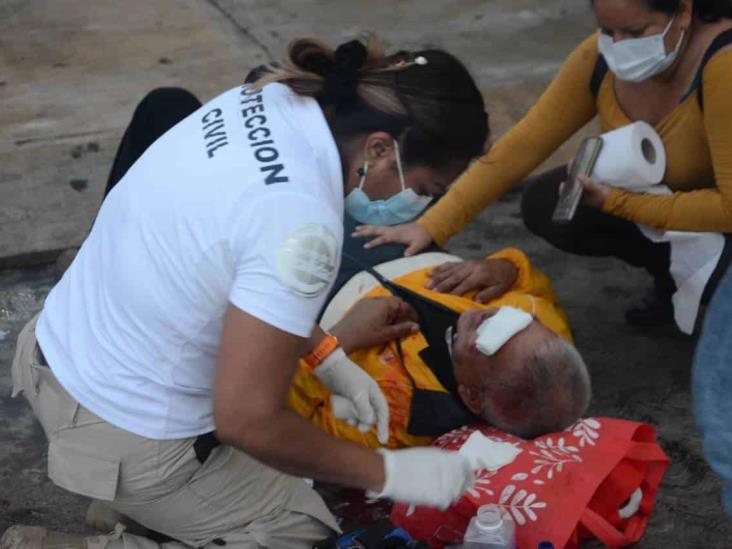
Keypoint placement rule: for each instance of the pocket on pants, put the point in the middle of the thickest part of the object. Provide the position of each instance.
(306, 501)
(16, 372)
(24, 355)
(82, 471)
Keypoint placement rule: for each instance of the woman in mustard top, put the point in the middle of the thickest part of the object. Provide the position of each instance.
(666, 62)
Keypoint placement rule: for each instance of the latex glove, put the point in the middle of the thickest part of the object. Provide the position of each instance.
(344, 410)
(365, 405)
(425, 476)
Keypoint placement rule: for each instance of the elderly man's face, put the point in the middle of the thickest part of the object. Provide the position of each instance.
(473, 370)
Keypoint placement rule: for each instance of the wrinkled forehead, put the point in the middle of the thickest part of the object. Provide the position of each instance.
(514, 353)
(528, 339)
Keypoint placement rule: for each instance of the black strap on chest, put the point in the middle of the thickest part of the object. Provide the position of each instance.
(432, 413)
(722, 40)
(434, 319)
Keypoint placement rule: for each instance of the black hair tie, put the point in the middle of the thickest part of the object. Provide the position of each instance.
(341, 82)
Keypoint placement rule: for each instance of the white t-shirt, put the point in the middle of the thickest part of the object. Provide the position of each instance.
(241, 202)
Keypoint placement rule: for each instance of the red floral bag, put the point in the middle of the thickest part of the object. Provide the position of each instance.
(596, 480)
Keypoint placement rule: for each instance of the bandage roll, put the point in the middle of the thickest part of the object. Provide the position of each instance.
(496, 330)
(631, 157)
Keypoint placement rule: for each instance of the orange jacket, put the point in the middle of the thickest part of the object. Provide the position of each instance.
(531, 292)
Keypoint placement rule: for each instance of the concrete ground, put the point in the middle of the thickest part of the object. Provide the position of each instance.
(71, 72)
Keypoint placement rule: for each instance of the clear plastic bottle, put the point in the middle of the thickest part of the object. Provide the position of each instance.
(489, 530)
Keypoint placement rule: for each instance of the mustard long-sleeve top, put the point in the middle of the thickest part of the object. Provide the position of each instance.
(698, 146)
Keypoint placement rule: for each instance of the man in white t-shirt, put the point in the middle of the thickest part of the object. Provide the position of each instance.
(189, 304)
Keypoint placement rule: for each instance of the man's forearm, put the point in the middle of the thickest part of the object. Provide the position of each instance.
(287, 442)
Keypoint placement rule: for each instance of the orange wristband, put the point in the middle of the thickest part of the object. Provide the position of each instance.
(322, 350)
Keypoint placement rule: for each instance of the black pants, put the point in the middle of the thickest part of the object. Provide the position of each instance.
(160, 110)
(593, 232)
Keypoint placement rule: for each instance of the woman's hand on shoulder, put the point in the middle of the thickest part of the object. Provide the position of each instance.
(491, 278)
(413, 235)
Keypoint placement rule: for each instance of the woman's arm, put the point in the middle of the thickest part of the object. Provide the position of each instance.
(565, 106)
(255, 367)
(256, 364)
(705, 210)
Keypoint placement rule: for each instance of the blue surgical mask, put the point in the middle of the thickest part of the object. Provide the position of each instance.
(403, 207)
(638, 59)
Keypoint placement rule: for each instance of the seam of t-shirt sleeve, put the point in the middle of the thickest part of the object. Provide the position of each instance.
(268, 317)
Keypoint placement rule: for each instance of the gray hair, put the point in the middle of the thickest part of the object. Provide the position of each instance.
(550, 391)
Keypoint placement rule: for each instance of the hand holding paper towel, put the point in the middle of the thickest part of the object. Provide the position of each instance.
(484, 453)
(632, 157)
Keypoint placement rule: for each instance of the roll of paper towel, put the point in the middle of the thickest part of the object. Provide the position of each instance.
(631, 157)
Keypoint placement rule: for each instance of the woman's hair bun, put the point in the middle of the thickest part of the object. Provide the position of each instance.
(426, 99)
(351, 56)
(311, 55)
(341, 82)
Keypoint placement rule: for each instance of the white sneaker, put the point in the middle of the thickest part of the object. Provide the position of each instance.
(103, 518)
(37, 537)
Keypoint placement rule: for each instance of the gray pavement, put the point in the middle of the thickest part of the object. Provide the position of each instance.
(71, 72)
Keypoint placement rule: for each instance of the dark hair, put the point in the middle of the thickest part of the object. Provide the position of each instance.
(708, 11)
(426, 100)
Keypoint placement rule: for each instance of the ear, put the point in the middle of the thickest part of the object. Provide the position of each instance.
(685, 14)
(379, 147)
(472, 398)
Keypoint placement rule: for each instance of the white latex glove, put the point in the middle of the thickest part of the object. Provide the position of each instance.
(425, 476)
(356, 397)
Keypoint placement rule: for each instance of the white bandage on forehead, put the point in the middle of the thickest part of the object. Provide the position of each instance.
(496, 330)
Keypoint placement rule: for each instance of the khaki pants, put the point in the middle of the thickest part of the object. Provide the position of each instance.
(230, 498)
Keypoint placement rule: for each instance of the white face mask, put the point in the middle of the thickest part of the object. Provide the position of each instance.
(638, 59)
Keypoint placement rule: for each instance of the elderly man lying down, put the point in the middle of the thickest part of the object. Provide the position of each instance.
(490, 344)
